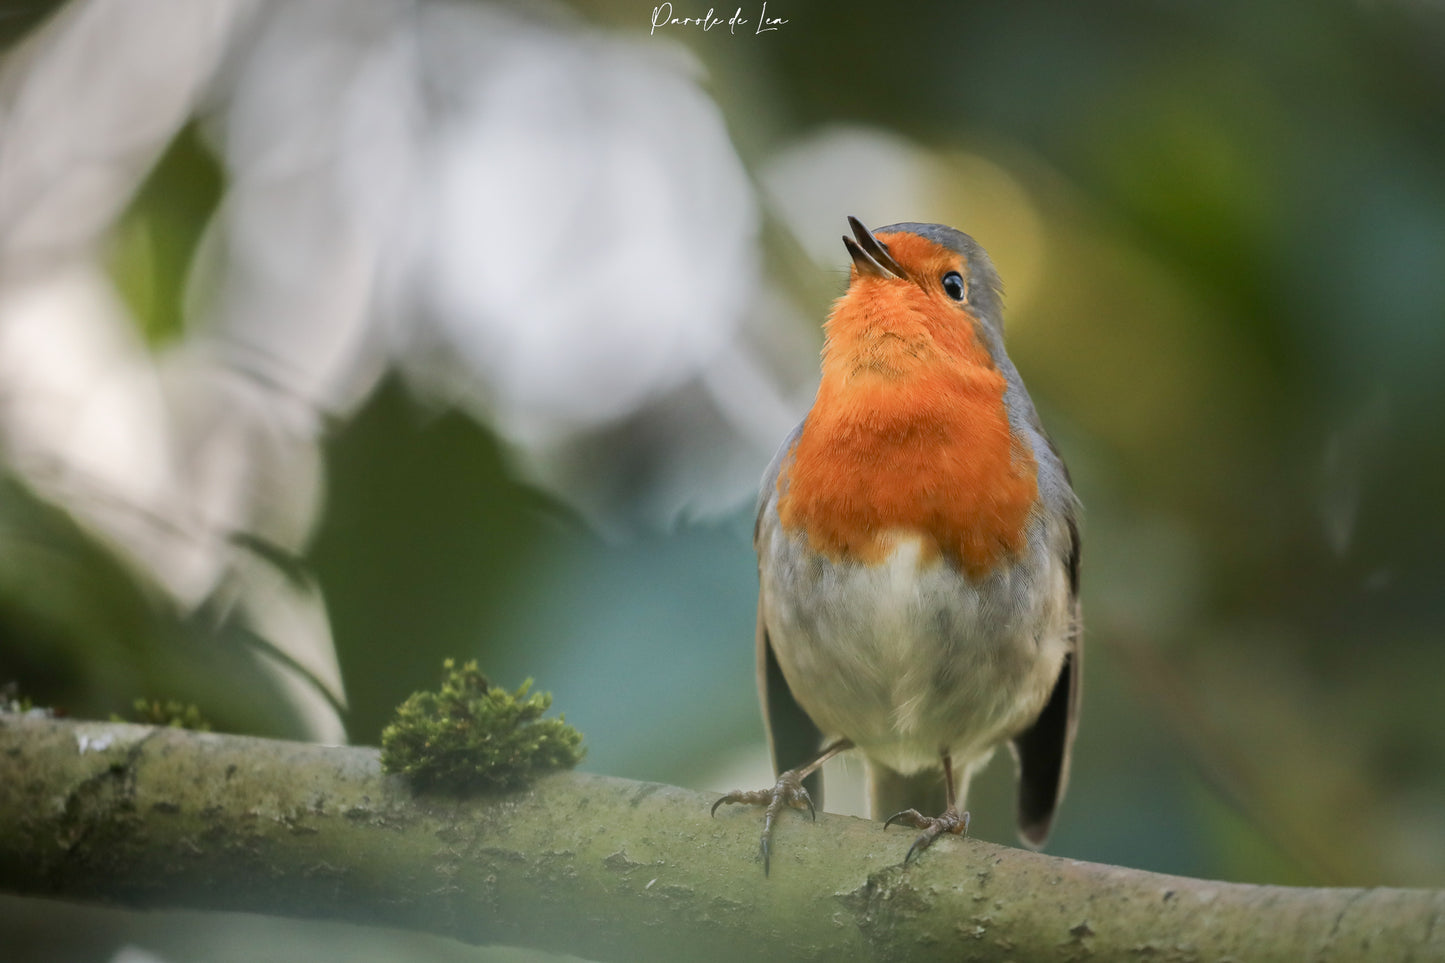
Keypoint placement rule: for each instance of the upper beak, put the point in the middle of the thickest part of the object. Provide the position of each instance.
(869, 255)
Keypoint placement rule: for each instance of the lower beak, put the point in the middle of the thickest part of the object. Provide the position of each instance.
(870, 255)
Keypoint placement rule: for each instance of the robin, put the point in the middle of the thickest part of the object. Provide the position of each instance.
(918, 554)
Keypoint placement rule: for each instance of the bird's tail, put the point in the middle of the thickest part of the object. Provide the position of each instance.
(889, 792)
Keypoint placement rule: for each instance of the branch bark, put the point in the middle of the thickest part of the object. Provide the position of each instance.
(607, 868)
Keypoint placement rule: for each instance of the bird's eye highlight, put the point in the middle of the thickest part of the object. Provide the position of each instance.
(955, 287)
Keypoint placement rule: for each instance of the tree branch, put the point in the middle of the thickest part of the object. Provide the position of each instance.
(607, 868)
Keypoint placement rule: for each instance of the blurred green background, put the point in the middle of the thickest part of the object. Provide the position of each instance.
(1221, 229)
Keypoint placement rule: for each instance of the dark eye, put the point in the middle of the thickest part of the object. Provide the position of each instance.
(954, 286)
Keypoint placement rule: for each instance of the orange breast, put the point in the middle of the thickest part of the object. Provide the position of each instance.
(908, 433)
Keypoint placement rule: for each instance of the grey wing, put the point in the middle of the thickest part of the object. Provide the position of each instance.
(1044, 748)
(792, 736)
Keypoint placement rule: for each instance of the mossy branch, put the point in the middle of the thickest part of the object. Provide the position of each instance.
(606, 868)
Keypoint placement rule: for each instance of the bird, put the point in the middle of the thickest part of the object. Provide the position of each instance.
(918, 555)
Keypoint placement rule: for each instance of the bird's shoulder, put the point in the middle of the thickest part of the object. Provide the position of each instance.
(768, 491)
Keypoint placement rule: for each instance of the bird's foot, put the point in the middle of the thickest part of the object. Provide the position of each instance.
(787, 791)
(952, 821)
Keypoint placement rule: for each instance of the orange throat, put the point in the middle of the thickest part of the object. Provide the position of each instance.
(908, 436)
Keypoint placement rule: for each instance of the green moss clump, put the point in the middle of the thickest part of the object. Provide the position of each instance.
(153, 712)
(471, 735)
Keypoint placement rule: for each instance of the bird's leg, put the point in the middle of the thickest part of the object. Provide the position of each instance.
(788, 790)
(952, 821)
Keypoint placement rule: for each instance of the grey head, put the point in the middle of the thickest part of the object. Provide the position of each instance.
(985, 288)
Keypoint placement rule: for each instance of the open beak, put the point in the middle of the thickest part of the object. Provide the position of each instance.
(869, 255)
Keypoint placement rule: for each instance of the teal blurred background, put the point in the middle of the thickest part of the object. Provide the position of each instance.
(340, 338)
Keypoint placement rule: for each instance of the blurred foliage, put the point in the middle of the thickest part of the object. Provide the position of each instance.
(153, 244)
(177, 715)
(1236, 340)
(19, 17)
(447, 565)
(81, 634)
(471, 735)
(485, 565)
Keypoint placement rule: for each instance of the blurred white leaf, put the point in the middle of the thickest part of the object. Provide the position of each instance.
(591, 231)
(88, 104)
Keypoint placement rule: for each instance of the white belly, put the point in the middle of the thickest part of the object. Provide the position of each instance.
(909, 658)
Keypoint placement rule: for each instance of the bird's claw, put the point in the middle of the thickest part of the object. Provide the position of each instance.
(787, 791)
(951, 821)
